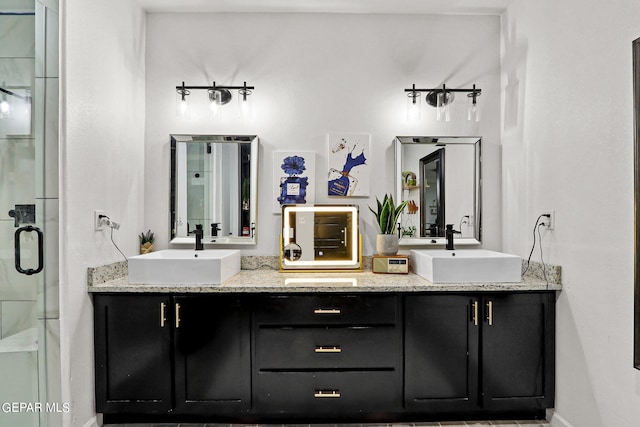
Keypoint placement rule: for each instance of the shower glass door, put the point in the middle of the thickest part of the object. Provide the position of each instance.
(28, 214)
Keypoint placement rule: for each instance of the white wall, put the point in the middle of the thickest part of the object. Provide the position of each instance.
(568, 146)
(101, 167)
(314, 74)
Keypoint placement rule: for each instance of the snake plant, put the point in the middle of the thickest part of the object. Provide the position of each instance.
(388, 214)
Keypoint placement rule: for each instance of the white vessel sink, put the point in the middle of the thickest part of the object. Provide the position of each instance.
(184, 267)
(466, 265)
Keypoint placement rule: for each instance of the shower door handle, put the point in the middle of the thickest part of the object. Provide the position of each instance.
(29, 271)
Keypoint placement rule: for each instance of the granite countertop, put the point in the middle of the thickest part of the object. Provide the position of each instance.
(113, 279)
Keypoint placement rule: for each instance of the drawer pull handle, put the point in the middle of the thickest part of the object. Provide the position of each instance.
(177, 316)
(327, 311)
(328, 349)
(163, 316)
(331, 394)
(490, 313)
(475, 313)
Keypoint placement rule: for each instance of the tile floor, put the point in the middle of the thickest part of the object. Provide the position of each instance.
(522, 423)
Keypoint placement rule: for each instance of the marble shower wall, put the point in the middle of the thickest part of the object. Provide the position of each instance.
(18, 293)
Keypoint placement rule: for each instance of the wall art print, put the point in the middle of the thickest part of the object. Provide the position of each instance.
(349, 166)
(293, 178)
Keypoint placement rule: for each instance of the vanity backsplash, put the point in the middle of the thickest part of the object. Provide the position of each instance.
(116, 270)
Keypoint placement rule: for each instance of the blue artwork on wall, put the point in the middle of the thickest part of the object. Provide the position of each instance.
(348, 167)
(293, 174)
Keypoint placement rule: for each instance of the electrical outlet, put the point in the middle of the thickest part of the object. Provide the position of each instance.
(549, 220)
(97, 221)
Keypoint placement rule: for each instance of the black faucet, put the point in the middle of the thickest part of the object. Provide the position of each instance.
(199, 232)
(449, 234)
(215, 227)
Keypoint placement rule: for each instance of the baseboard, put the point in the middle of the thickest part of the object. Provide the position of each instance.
(558, 421)
(93, 422)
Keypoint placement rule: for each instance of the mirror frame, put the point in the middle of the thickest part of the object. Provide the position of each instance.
(636, 164)
(438, 241)
(253, 140)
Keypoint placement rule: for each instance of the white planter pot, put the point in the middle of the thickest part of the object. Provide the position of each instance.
(387, 244)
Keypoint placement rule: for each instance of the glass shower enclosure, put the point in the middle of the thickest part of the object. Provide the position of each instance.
(29, 315)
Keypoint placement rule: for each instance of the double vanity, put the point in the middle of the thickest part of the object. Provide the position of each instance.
(266, 346)
(184, 335)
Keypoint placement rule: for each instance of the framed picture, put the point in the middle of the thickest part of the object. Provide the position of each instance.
(348, 163)
(293, 178)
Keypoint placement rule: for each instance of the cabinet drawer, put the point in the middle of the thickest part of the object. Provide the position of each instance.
(327, 309)
(328, 393)
(328, 348)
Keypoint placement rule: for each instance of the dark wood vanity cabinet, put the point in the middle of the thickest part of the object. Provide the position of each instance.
(212, 355)
(133, 353)
(329, 356)
(441, 354)
(164, 354)
(320, 357)
(518, 351)
(483, 352)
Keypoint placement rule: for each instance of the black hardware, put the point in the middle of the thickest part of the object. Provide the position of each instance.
(29, 271)
(8, 92)
(23, 214)
(182, 88)
(199, 232)
(214, 229)
(432, 94)
(474, 90)
(449, 234)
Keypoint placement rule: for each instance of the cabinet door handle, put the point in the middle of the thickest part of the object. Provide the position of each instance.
(163, 316)
(331, 394)
(327, 311)
(475, 313)
(490, 313)
(177, 315)
(328, 349)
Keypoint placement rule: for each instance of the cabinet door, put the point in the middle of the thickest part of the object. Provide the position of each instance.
(212, 357)
(441, 353)
(132, 354)
(518, 351)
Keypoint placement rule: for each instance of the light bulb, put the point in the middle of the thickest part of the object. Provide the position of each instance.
(245, 103)
(182, 106)
(473, 112)
(214, 103)
(443, 110)
(413, 106)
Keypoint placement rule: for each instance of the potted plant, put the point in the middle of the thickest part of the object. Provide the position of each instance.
(146, 242)
(387, 219)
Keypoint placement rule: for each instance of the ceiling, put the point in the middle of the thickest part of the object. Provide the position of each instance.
(474, 7)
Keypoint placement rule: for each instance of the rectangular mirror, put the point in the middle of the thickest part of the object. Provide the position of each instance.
(441, 179)
(214, 184)
(320, 237)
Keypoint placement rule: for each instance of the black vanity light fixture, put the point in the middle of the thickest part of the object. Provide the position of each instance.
(441, 99)
(217, 97)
